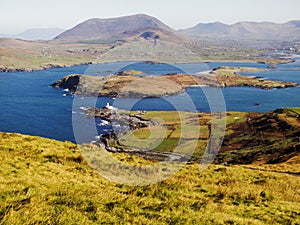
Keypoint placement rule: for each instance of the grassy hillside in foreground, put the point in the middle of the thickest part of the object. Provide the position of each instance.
(48, 182)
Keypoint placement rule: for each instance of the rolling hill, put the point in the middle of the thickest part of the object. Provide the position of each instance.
(140, 25)
(247, 30)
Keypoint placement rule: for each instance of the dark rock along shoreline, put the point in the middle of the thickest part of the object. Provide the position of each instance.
(49, 66)
(128, 122)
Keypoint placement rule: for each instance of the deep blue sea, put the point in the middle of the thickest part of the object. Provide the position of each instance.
(30, 106)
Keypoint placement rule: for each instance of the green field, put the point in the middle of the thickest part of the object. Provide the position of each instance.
(27, 55)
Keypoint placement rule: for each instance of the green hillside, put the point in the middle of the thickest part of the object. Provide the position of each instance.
(48, 182)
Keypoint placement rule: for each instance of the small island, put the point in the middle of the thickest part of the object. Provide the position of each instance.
(128, 84)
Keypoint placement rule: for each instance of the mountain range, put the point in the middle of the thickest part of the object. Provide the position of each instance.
(246, 30)
(141, 26)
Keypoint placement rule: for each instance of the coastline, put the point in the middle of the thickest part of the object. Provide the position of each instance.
(53, 66)
(279, 123)
(50, 66)
(131, 86)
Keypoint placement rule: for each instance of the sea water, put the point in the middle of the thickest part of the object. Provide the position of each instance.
(30, 106)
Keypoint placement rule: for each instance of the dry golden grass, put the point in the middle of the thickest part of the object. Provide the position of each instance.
(49, 182)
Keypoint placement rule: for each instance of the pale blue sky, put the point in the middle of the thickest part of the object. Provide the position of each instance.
(19, 15)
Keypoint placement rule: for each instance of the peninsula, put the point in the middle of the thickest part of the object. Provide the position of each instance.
(131, 85)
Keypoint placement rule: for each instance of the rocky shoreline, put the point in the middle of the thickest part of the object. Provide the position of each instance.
(126, 122)
(119, 117)
(247, 135)
(49, 66)
(273, 64)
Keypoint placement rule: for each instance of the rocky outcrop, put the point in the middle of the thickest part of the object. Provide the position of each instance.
(69, 82)
(150, 35)
(119, 118)
(126, 122)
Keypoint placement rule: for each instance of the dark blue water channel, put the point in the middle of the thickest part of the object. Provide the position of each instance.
(30, 106)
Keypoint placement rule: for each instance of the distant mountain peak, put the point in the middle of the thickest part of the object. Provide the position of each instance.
(40, 33)
(36, 34)
(126, 26)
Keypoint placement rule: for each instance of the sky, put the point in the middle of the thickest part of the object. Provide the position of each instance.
(19, 15)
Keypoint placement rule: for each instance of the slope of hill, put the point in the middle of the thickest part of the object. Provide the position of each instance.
(49, 182)
(20, 55)
(206, 29)
(139, 25)
(268, 138)
(13, 43)
(247, 30)
(39, 34)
